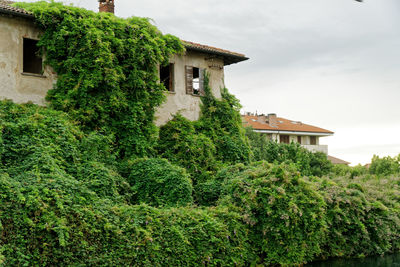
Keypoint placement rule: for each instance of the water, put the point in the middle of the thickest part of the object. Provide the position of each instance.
(385, 261)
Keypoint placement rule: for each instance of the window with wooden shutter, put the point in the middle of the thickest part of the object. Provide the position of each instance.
(189, 80)
(195, 80)
(299, 139)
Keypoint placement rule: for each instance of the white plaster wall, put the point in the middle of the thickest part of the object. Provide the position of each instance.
(13, 84)
(189, 105)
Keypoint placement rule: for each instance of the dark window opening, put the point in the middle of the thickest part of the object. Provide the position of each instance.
(32, 60)
(194, 80)
(167, 77)
(299, 139)
(313, 140)
(284, 139)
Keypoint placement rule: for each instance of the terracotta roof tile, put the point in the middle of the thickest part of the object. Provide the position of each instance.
(5, 7)
(282, 125)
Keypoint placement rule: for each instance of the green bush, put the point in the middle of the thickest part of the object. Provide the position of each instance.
(56, 221)
(285, 212)
(385, 166)
(182, 145)
(157, 182)
(40, 141)
(363, 215)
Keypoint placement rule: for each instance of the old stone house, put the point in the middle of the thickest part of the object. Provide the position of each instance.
(23, 77)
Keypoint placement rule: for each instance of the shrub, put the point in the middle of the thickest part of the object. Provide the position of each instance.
(40, 141)
(385, 166)
(182, 145)
(363, 215)
(56, 220)
(285, 212)
(157, 182)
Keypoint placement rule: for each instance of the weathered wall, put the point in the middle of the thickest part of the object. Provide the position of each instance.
(13, 84)
(189, 105)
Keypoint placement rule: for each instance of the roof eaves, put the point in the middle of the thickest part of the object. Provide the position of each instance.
(228, 56)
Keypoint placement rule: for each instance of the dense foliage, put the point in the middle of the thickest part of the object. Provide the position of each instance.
(182, 145)
(363, 215)
(59, 204)
(159, 183)
(385, 166)
(107, 71)
(286, 213)
(308, 163)
(75, 191)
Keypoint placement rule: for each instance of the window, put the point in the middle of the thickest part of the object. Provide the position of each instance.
(32, 60)
(194, 80)
(313, 140)
(299, 139)
(284, 139)
(167, 77)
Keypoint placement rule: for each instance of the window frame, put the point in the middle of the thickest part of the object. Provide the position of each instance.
(35, 58)
(285, 140)
(313, 140)
(171, 77)
(189, 80)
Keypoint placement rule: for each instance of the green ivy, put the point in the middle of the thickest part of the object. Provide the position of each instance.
(159, 183)
(107, 71)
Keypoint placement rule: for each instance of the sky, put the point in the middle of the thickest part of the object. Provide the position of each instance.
(334, 64)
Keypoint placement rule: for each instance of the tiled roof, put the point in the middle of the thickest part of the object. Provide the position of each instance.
(229, 56)
(337, 161)
(281, 125)
(6, 8)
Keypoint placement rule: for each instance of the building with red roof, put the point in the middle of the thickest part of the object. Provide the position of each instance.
(286, 131)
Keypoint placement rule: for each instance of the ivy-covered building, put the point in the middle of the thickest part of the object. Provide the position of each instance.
(24, 77)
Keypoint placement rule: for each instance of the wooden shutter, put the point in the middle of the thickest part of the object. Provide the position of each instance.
(189, 80)
(202, 72)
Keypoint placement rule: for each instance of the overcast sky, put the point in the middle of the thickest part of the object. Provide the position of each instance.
(330, 63)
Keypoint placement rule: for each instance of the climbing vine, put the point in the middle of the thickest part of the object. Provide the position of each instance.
(107, 71)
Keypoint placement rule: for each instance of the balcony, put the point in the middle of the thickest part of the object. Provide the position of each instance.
(317, 148)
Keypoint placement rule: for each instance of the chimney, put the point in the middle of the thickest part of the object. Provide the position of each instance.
(106, 6)
(272, 120)
(262, 118)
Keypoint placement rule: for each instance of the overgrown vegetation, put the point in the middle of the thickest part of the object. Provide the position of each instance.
(107, 71)
(75, 188)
